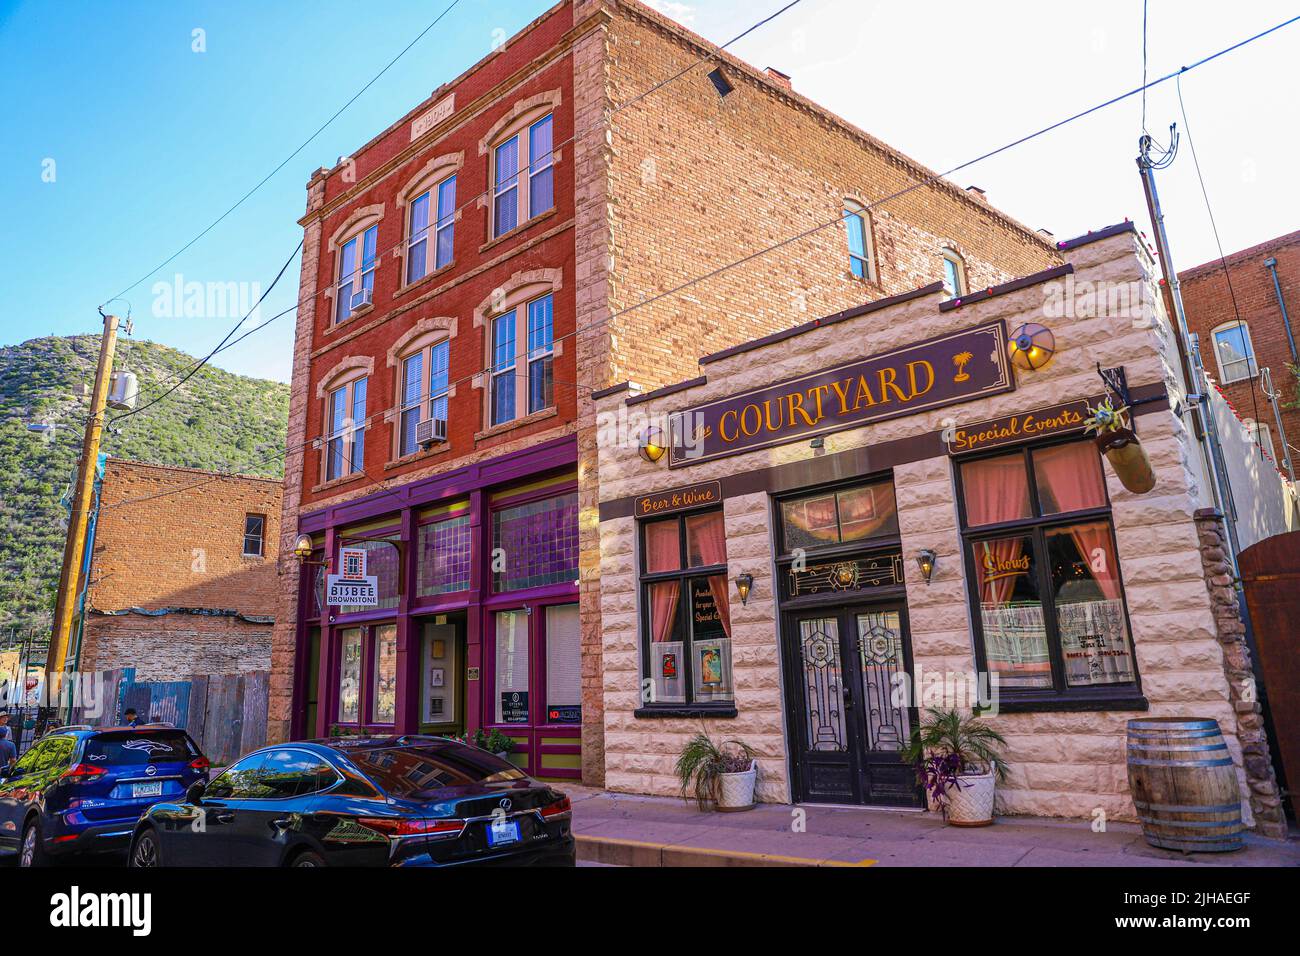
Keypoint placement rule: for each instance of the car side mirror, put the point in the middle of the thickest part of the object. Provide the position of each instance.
(194, 793)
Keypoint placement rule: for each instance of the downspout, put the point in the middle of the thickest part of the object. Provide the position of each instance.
(1271, 264)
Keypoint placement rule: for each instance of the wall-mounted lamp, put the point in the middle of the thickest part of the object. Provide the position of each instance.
(653, 445)
(926, 560)
(1031, 346)
(302, 550)
(744, 582)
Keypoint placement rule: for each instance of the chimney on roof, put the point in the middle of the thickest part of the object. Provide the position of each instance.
(1048, 233)
(977, 193)
(782, 78)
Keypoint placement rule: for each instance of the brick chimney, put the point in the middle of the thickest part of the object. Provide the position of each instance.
(977, 193)
(779, 77)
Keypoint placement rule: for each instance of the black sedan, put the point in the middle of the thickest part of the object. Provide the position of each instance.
(368, 801)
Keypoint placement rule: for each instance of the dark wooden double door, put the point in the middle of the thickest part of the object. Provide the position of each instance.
(848, 679)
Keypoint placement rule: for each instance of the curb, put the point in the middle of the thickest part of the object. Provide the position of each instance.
(614, 851)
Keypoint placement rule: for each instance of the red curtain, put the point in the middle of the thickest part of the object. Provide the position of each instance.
(1003, 551)
(662, 550)
(718, 588)
(996, 489)
(1070, 476)
(706, 539)
(663, 609)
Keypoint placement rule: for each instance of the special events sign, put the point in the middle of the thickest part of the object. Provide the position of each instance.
(957, 367)
(1035, 423)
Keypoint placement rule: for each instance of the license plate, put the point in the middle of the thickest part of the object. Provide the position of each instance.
(146, 789)
(503, 831)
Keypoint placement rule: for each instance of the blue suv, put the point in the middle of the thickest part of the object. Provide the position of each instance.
(82, 789)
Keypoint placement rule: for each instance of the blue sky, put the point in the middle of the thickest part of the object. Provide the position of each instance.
(151, 141)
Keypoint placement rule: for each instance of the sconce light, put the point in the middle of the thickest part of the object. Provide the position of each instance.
(1031, 346)
(744, 582)
(653, 444)
(302, 549)
(926, 560)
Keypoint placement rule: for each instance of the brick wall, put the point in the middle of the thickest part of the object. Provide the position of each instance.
(1208, 304)
(174, 538)
(699, 181)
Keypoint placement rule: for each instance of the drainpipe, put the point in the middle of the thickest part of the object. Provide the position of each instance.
(1271, 264)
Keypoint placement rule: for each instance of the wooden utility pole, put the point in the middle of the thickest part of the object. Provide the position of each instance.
(74, 549)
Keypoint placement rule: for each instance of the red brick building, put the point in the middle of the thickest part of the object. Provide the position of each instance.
(182, 577)
(525, 239)
(1266, 284)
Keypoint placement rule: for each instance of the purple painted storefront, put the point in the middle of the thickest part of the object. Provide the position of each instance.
(478, 624)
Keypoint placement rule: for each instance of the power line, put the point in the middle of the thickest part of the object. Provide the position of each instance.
(1223, 261)
(290, 157)
(1023, 139)
(474, 199)
(198, 365)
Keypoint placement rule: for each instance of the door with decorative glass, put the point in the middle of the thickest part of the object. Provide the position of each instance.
(851, 689)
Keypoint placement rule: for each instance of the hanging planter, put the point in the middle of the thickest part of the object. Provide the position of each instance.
(1119, 443)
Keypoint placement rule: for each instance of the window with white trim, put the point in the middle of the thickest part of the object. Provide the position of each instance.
(441, 201)
(954, 273)
(523, 183)
(425, 385)
(861, 254)
(345, 446)
(358, 258)
(1233, 352)
(1261, 435)
(254, 535)
(522, 357)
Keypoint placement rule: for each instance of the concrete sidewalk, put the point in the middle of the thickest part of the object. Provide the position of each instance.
(629, 830)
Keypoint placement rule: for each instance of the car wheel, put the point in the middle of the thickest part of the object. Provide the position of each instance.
(32, 851)
(144, 851)
(308, 858)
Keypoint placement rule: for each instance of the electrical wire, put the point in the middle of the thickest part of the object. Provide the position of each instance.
(1223, 261)
(290, 157)
(993, 152)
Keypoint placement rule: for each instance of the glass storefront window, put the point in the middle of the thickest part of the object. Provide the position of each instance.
(350, 676)
(563, 665)
(687, 635)
(995, 490)
(443, 556)
(535, 544)
(383, 561)
(1089, 607)
(840, 517)
(385, 688)
(511, 668)
(1069, 478)
(1011, 612)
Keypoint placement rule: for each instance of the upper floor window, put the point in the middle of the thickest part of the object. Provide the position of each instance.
(522, 355)
(1233, 352)
(523, 177)
(1260, 435)
(356, 273)
(425, 384)
(438, 229)
(254, 535)
(861, 254)
(954, 273)
(345, 444)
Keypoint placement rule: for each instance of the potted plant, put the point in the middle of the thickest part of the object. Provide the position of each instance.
(494, 741)
(1119, 443)
(724, 774)
(958, 759)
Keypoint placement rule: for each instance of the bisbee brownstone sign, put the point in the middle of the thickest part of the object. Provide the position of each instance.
(957, 367)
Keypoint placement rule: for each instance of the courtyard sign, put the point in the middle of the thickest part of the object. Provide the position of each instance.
(956, 367)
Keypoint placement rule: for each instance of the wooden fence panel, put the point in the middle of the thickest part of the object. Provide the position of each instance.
(198, 711)
(255, 699)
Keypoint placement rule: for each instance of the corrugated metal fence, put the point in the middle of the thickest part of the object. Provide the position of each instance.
(224, 713)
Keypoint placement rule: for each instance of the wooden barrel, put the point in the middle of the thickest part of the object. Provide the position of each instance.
(1184, 785)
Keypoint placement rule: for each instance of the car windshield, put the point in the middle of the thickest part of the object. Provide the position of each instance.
(416, 771)
(129, 747)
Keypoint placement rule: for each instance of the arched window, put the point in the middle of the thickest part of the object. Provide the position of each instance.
(522, 163)
(429, 201)
(1233, 352)
(343, 432)
(519, 321)
(954, 273)
(857, 223)
(355, 244)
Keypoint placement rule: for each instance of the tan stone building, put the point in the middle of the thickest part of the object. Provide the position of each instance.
(653, 160)
(182, 576)
(762, 579)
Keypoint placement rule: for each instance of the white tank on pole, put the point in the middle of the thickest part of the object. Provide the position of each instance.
(123, 391)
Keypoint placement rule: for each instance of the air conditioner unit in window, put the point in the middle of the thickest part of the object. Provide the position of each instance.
(363, 297)
(430, 431)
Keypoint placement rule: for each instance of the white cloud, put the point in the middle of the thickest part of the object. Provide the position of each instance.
(681, 12)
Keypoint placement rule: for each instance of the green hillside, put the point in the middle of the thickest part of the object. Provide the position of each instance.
(216, 420)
